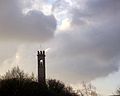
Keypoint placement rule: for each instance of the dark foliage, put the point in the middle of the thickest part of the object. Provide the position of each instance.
(21, 86)
(117, 92)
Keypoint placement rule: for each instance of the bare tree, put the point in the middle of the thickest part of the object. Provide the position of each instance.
(87, 90)
(16, 72)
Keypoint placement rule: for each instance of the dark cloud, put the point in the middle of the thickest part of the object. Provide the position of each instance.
(14, 25)
(91, 49)
(95, 11)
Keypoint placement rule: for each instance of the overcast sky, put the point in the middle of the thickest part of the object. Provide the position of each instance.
(82, 38)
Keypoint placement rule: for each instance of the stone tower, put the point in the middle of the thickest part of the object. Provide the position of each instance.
(41, 67)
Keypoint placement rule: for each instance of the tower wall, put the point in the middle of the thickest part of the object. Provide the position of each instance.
(41, 67)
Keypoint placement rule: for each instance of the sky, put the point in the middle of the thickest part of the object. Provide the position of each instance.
(81, 37)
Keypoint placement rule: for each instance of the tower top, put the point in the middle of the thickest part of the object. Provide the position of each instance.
(41, 54)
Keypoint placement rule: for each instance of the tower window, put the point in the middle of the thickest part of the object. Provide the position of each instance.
(41, 61)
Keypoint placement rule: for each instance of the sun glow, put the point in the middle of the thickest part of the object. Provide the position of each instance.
(65, 24)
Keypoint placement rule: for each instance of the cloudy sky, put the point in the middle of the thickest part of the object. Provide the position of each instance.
(82, 38)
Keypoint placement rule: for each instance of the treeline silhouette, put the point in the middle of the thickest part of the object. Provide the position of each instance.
(18, 83)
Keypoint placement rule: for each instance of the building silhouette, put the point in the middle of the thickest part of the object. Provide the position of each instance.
(41, 67)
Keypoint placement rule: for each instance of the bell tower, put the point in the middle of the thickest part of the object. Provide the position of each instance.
(41, 67)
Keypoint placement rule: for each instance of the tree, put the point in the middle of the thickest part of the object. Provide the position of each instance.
(117, 92)
(87, 90)
(56, 86)
(15, 73)
(17, 83)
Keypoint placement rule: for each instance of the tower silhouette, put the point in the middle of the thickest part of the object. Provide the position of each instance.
(41, 67)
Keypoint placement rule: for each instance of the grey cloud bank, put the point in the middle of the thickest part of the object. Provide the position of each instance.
(17, 28)
(87, 50)
(90, 48)
(14, 25)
